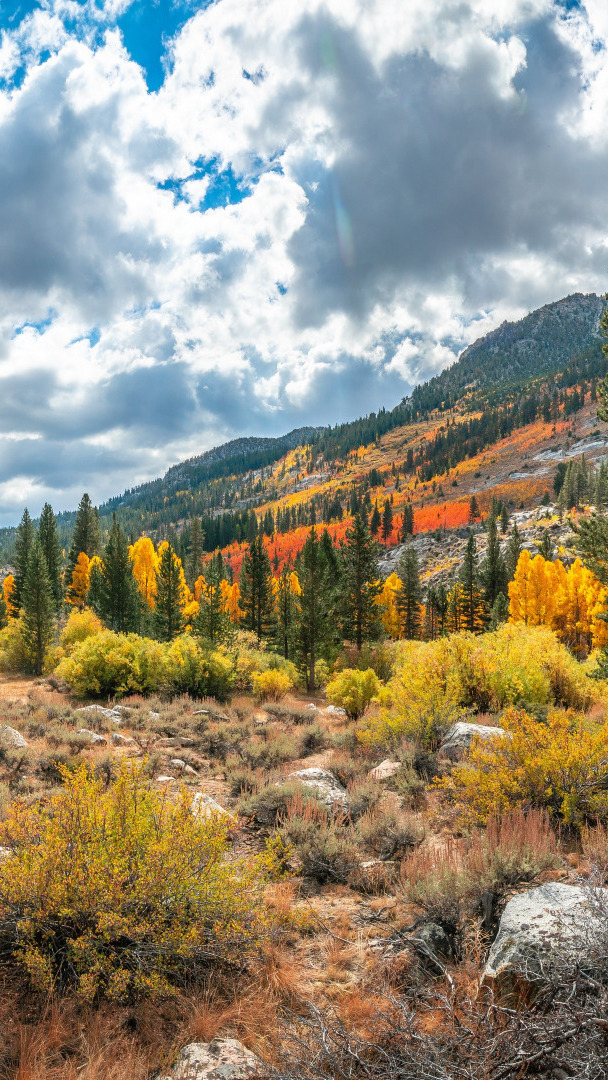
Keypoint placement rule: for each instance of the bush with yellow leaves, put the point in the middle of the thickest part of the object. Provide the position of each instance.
(271, 685)
(189, 669)
(125, 892)
(435, 681)
(353, 690)
(560, 765)
(109, 664)
(80, 626)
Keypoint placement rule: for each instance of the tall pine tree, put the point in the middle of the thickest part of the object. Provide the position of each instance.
(170, 594)
(23, 545)
(51, 547)
(193, 564)
(119, 597)
(255, 583)
(514, 550)
(212, 623)
(409, 596)
(38, 608)
(493, 571)
(472, 603)
(313, 626)
(87, 533)
(359, 584)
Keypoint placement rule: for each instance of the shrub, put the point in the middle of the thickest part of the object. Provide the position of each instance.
(324, 844)
(14, 655)
(559, 765)
(389, 834)
(380, 658)
(192, 670)
(269, 804)
(108, 664)
(353, 690)
(80, 626)
(122, 892)
(271, 685)
(251, 661)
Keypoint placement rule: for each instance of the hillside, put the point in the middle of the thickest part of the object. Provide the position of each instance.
(498, 421)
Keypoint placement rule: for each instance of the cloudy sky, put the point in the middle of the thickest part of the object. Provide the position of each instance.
(238, 217)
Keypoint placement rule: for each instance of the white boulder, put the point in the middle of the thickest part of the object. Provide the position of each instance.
(385, 770)
(92, 736)
(459, 738)
(324, 785)
(9, 736)
(220, 1059)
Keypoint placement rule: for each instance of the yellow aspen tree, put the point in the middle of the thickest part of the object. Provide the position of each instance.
(145, 565)
(387, 603)
(8, 590)
(231, 595)
(79, 587)
(455, 618)
(532, 597)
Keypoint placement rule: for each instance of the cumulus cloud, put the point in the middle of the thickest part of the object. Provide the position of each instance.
(319, 207)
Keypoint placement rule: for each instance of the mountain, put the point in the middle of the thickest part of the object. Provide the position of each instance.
(535, 377)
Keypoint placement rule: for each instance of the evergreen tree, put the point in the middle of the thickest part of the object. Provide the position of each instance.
(409, 596)
(473, 509)
(359, 584)
(255, 582)
(87, 533)
(407, 522)
(194, 564)
(119, 597)
(3, 611)
(287, 592)
(23, 545)
(472, 602)
(313, 626)
(51, 547)
(546, 547)
(212, 623)
(493, 571)
(330, 558)
(499, 612)
(514, 550)
(95, 592)
(375, 520)
(387, 521)
(504, 519)
(171, 594)
(38, 608)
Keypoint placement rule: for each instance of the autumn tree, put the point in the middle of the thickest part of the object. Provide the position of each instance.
(23, 545)
(409, 597)
(532, 596)
(51, 548)
(79, 586)
(87, 532)
(38, 608)
(144, 560)
(359, 584)
(171, 594)
(387, 603)
(118, 601)
(255, 582)
(8, 594)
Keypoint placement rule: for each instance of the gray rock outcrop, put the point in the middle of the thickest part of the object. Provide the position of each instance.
(324, 786)
(459, 738)
(92, 736)
(220, 1059)
(9, 736)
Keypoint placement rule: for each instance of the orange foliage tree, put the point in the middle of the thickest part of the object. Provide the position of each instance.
(8, 590)
(145, 566)
(79, 586)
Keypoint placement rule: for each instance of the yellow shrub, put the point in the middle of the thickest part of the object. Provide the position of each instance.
(559, 765)
(250, 661)
(80, 626)
(123, 892)
(271, 685)
(195, 671)
(14, 655)
(353, 690)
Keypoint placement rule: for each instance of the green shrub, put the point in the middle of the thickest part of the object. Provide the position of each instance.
(269, 804)
(122, 892)
(108, 664)
(192, 670)
(353, 690)
(389, 834)
(325, 845)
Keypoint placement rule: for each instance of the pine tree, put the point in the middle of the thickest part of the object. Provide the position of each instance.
(473, 509)
(38, 624)
(171, 594)
(407, 522)
(212, 623)
(193, 565)
(514, 550)
(359, 584)
(375, 520)
(287, 591)
(3, 611)
(23, 545)
(493, 571)
(545, 548)
(51, 547)
(387, 521)
(95, 583)
(313, 625)
(409, 596)
(87, 533)
(472, 610)
(499, 612)
(255, 583)
(504, 519)
(119, 598)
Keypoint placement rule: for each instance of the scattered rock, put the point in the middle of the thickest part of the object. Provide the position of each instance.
(164, 779)
(220, 1059)
(459, 738)
(189, 771)
(205, 806)
(120, 740)
(385, 770)
(101, 713)
(434, 939)
(325, 786)
(311, 705)
(334, 710)
(92, 736)
(154, 715)
(553, 919)
(177, 763)
(9, 736)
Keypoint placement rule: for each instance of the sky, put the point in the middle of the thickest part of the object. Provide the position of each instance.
(238, 217)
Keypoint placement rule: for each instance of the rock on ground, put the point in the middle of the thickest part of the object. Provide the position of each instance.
(459, 738)
(204, 805)
(385, 770)
(120, 740)
(220, 1059)
(99, 712)
(92, 736)
(553, 920)
(324, 785)
(9, 736)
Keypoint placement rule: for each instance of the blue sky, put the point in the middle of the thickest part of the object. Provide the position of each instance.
(231, 218)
